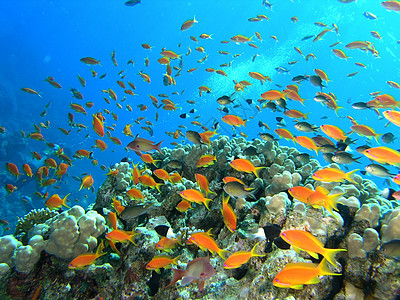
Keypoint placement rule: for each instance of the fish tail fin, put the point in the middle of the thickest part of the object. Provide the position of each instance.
(349, 174)
(329, 255)
(176, 275)
(377, 136)
(100, 248)
(206, 201)
(175, 260)
(225, 200)
(323, 269)
(158, 147)
(64, 200)
(132, 236)
(253, 251)
(194, 19)
(257, 171)
(305, 115)
(112, 245)
(223, 253)
(158, 186)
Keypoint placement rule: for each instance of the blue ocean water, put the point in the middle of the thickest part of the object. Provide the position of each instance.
(48, 38)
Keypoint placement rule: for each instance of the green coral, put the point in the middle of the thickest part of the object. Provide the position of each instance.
(31, 219)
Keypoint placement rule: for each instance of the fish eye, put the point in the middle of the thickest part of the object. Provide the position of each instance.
(284, 233)
(202, 274)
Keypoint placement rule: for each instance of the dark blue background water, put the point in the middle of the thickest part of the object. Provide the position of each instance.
(48, 38)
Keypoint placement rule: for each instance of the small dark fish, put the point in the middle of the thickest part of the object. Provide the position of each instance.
(192, 111)
(224, 100)
(378, 170)
(344, 158)
(316, 81)
(132, 2)
(369, 15)
(272, 231)
(126, 159)
(281, 244)
(194, 137)
(184, 116)
(303, 157)
(305, 127)
(388, 138)
(131, 212)
(391, 249)
(225, 110)
(267, 137)
(300, 78)
(320, 98)
(361, 149)
(324, 117)
(249, 101)
(174, 164)
(307, 37)
(282, 70)
(360, 105)
(281, 122)
(238, 190)
(236, 106)
(281, 103)
(250, 151)
(328, 157)
(216, 125)
(327, 148)
(254, 57)
(103, 76)
(272, 106)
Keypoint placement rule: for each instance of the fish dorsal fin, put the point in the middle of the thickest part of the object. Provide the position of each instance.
(322, 190)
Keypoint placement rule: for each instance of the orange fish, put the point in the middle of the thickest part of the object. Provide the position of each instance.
(162, 174)
(203, 183)
(140, 144)
(273, 95)
(134, 193)
(100, 144)
(320, 197)
(295, 275)
(87, 259)
(306, 142)
(55, 201)
(187, 24)
(98, 125)
(161, 261)
(205, 242)
(284, 133)
(10, 188)
(166, 243)
(333, 175)
(122, 236)
(148, 159)
(244, 165)
(13, 169)
(228, 214)
(206, 160)
(383, 155)
(196, 196)
(61, 170)
(30, 91)
(87, 182)
(300, 193)
(303, 240)
(392, 116)
(239, 258)
(234, 120)
(149, 181)
(112, 218)
(334, 132)
(293, 113)
(183, 206)
(27, 169)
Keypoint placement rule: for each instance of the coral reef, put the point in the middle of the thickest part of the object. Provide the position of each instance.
(364, 222)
